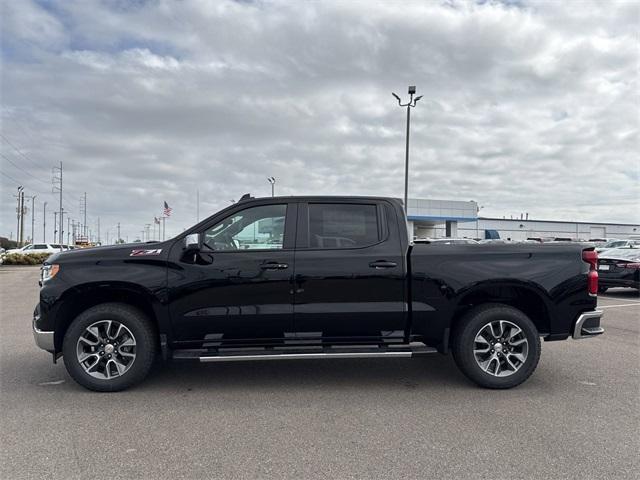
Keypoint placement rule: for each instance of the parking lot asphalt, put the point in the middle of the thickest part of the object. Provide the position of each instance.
(578, 416)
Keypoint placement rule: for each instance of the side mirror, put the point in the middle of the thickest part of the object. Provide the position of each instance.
(192, 242)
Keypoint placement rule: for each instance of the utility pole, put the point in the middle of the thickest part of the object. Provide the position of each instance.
(99, 240)
(55, 225)
(85, 213)
(118, 239)
(44, 223)
(68, 230)
(57, 188)
(62, 226)
(22, 212)
(33, 217)
(272, 181)
(410, 105)
(18, 215)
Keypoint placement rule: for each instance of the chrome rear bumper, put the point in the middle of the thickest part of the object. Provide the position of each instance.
(588, 325)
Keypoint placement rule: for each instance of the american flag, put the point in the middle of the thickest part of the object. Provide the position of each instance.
(167, 210)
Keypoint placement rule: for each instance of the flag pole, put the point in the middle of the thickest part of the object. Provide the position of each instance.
(163, 229)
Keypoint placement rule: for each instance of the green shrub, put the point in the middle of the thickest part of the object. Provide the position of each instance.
(25, 259)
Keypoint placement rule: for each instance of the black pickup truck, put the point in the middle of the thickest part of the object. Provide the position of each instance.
(311, 277)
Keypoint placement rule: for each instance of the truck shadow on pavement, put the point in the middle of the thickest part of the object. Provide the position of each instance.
(621, 293)
(434, 371)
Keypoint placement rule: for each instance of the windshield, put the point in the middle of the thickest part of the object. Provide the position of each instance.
(617, 243)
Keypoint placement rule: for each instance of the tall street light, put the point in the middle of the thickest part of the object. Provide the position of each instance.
(272, 181)
(410, 105)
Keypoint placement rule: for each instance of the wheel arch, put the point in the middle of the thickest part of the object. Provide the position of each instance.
(529, 298)
(80, 299)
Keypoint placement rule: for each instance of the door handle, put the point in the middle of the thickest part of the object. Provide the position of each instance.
(274, 266)
(382, 264)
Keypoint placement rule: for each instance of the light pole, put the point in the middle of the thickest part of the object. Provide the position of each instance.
(478, 208)
(33, 216)
(410, 105)
(272, 181)
(44, 224)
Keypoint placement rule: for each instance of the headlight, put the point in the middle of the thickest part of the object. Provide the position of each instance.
(47, 272)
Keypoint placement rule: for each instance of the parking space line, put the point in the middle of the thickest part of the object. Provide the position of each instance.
(619, 299)
(618, 306)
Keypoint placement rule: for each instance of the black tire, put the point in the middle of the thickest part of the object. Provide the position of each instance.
(463, 344)
(145, 340)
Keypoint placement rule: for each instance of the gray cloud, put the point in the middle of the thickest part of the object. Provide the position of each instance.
(527, 107)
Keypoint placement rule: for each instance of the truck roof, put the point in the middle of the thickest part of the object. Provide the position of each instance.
(247, 197)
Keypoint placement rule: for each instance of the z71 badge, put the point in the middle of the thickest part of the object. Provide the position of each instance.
(143, 253)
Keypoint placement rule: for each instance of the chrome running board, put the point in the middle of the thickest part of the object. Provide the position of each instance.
(302, 356)
(301, 353)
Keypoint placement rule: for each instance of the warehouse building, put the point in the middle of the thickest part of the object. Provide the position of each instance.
(453, 218)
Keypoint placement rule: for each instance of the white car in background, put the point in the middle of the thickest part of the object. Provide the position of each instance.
(618, 244)
(36, 248)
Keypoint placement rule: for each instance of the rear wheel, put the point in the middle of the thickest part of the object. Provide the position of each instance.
(109, 347)
(496, 346)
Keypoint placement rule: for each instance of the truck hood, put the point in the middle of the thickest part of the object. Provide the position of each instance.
(112, 252)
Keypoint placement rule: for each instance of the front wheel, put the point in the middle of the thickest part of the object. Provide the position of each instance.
(496, 346)
(109, 347)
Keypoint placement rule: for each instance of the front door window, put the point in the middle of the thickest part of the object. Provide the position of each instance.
(256, 228)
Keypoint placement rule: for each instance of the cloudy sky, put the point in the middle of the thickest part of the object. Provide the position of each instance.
(528, 106)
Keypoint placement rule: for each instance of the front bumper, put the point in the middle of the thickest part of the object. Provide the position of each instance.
(588, 325)
(43, 338)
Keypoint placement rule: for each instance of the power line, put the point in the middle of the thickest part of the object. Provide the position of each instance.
(23, 155)
(10, 177)
(22, 183)
(20, 168)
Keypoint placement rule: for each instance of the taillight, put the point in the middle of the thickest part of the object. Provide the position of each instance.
(592, 281)
(631, 265)
(591, 257)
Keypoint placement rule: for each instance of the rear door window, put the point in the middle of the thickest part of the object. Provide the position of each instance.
(337, 225)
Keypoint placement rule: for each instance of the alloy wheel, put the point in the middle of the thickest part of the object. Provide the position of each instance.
(500, 348)
(106, 349)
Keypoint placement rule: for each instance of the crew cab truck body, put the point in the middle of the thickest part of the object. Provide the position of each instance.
(311, 277)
